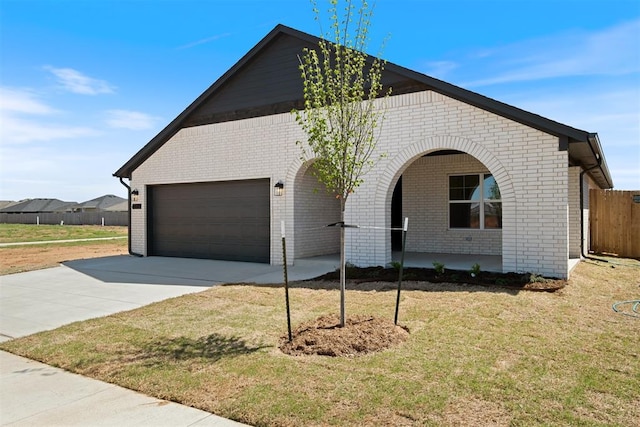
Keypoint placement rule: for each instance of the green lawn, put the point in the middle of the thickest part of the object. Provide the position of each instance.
(475, 355)
(11, 233)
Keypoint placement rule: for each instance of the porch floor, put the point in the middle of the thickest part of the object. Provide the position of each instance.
(450, 261)
(424, 260)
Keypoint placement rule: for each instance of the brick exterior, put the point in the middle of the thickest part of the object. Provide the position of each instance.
(530, 170)
(314, 209)
(425, 201)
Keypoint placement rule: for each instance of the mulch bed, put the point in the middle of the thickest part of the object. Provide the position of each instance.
(360, 335)
(514, 281)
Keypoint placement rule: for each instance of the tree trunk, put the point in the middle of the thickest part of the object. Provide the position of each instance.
(343, 270)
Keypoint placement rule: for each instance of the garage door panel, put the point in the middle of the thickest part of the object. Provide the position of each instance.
(217, 220)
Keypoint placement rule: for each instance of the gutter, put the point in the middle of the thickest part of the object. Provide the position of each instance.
(129, 211)
(594, 140)
(584, 171)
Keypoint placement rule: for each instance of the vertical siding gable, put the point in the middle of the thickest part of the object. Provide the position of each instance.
(270, 83)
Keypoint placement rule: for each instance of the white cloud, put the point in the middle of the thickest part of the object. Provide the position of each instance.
(440, 69)
(614, 51)
(612, 112)
(17, 130)
(50, 171)
(133, 120)
(76, 82)
(22, 101)
(205, 40)
(610, 109)
(17, 106)
(586, 79)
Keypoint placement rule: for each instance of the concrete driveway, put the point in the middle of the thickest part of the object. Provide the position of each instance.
(35, 394)
(79, 290)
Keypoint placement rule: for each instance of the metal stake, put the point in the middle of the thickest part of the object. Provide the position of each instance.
(286, 278)
(404, 242)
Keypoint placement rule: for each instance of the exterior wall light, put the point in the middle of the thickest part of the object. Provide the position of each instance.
(278, 189)
(135, 192)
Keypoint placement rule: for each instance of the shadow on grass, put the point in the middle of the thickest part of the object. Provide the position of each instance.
(213, 348)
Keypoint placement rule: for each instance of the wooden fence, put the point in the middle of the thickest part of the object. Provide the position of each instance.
(615, 222)
(69, 218)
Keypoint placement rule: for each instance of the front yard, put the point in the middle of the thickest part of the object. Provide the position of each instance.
(474, 356)
(18, 259)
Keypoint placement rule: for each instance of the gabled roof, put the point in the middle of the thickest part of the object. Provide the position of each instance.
(120, 207)
(266, 81)
(101, 203)
(38, 205)
(6, 203)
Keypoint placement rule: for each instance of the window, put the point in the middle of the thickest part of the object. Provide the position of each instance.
(474, 202)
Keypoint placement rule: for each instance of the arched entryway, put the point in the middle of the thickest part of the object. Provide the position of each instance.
(313, 209)
(455, 208)
(449, 190)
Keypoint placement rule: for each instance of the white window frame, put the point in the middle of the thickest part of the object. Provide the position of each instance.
(481, 201)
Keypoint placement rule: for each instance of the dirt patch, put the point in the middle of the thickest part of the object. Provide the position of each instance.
(28, 258)
(360, 335)
(515, 281)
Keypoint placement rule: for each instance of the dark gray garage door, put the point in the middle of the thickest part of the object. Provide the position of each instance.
(212, 220)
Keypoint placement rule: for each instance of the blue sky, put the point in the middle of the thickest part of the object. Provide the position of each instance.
(85, 84)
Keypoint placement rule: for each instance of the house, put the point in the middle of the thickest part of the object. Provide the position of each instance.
(104, 203)
(6, 203)
(474, 175)
(119, 207)
(38, 206)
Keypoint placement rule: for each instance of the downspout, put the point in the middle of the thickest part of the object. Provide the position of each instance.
(599, 159)
(129, 226)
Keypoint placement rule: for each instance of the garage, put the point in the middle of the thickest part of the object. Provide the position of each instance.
(228, 220)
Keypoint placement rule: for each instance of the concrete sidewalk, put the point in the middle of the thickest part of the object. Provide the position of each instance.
(33, 394)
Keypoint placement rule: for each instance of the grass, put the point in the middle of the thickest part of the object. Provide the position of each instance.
(21, 258)
(475, 355)
(12, 233)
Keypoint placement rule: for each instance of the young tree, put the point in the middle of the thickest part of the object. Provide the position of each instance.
(341, 117)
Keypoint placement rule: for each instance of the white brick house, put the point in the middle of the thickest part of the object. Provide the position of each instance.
(474, 175)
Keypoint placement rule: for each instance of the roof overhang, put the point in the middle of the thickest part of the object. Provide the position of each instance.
(587, 153)
(583, 148)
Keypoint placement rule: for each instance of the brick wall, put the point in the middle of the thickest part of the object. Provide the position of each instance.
(530, 170)
(314, 209)
(425, 201)
(262, 147)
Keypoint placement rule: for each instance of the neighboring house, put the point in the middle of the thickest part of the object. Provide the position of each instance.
(39, 206)
(103, 203)
(6, 203)
(474, 175)
(120, 207)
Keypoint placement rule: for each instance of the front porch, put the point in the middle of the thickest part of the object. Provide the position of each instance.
(462, 262)
(422, 260)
